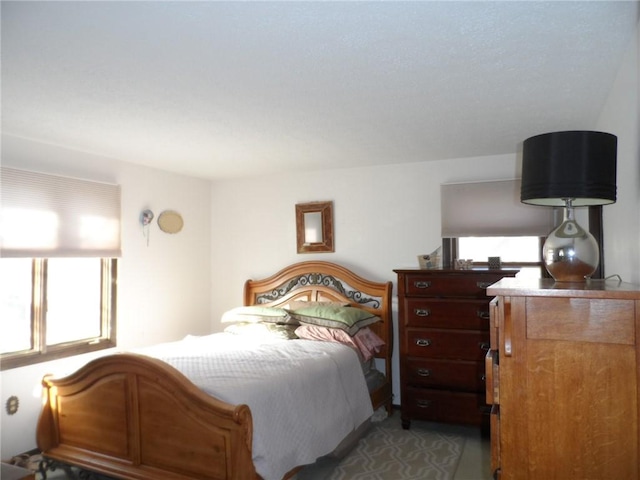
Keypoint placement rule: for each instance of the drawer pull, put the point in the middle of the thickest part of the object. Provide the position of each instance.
(424, 372)
(422, 284)
(483, 315)
(423, 403)
(483, 377)
(422, 312)
(483, 284)
(423, 342)
(484, 346)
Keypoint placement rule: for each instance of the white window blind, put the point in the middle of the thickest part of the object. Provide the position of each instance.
(45, 215)
(491, 209)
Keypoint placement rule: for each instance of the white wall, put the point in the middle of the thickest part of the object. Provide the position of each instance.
(621, 116)
(163, 288)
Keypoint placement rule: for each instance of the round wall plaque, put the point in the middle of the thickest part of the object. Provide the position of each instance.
(170, 221)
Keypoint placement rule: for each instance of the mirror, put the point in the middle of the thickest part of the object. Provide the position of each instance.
(314, 227)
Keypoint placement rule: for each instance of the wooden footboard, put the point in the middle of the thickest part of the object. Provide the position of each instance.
(134, 417)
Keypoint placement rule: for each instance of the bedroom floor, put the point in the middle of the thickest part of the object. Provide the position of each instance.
(473, 465)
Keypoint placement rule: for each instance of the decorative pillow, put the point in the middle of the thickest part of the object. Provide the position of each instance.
(257, 313)
(349, 319)
(270, 330)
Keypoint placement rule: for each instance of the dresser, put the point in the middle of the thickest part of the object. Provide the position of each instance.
(443, 326)
(563, 379)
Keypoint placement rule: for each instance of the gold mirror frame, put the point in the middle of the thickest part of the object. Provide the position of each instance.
(309, 242)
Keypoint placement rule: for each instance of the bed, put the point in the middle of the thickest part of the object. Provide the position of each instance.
(136, 416)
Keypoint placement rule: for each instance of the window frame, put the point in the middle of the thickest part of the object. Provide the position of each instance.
(40, 351)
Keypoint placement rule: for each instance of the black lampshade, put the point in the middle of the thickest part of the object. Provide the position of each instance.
(579, 165)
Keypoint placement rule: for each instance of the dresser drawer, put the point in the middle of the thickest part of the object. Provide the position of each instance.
(446, 406)
(447, 344)
(448, 374)
(449, 285)
(441, 313)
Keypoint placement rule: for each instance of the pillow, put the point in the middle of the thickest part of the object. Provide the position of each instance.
(268, 330)
(297, 304)
(364, 341)
(349, 319)
(256, 313)
(368, 342)
(324, 334)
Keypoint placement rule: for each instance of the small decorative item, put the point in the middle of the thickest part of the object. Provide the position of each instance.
(430, 261)
(170, 221)
(146, 216)
(462, 264)
(495, 263)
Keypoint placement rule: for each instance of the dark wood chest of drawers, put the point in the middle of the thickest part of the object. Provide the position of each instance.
(443, 323)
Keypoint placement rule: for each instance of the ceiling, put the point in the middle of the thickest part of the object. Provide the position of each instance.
(229, 89)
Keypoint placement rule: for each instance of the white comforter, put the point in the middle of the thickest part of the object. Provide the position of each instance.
(305, 396)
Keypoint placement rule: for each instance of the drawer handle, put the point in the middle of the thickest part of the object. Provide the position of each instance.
(422, 284)
(483, 315)
(483, 284)
(423, 403)
(484, 346)
(424, 372)
(423, 342)
(422, 312)
(483, 377)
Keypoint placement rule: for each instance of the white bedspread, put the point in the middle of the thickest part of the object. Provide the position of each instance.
(305, 396)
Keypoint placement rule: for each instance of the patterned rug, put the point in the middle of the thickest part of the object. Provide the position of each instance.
(388, 452)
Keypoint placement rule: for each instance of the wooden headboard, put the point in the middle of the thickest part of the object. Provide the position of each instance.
(325, 281)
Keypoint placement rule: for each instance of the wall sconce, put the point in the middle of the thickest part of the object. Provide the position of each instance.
(146, 217)
(570, 169)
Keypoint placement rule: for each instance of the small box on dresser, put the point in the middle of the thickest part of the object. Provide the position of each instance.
(443, 324)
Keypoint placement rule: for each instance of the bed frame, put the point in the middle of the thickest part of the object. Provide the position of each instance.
(134, 417)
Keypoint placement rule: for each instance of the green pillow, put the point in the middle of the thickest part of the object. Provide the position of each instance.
(349, 319)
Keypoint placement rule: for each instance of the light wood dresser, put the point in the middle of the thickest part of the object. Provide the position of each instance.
(443, 323)
(563, 378)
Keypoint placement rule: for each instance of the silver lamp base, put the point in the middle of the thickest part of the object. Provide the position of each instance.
(570, 253)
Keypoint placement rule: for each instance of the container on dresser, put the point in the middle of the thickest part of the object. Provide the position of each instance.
(443, 323)
(565, 381)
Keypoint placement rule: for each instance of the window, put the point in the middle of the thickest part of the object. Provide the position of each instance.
(523, 253)
(487, 219)
(54, 308)
(59, 241)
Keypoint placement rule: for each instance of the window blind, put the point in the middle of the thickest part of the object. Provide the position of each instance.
(44, 215)
(491, 209)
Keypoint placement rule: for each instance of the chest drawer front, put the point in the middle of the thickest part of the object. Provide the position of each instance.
(447, 344)
(444, 406)
(581, 320)
(437, 313)
(454, 374)
(452, 285)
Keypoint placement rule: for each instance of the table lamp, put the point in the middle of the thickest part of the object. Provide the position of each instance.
(569, 169)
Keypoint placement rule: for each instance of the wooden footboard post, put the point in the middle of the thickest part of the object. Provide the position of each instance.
(45, 431)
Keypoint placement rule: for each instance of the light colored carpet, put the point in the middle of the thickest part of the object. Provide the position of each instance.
(389, 452)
